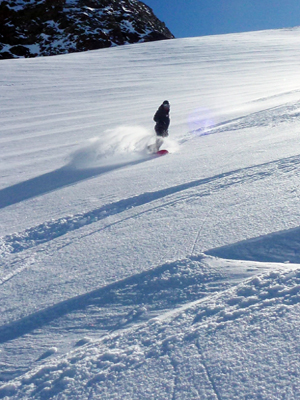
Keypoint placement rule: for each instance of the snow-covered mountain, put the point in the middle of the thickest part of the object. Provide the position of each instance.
(128, 276)
(30, 28)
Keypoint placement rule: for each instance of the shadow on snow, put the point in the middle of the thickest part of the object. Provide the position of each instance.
(50, 230)
(282, 247)
(141, 295)
(52, 181)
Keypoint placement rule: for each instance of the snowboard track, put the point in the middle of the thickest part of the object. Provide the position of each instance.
(159, 289)
(50, 230)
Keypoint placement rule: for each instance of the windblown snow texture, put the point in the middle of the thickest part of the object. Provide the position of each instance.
(128, 276)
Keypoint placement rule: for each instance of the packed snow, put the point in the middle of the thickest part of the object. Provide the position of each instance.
(130, 276)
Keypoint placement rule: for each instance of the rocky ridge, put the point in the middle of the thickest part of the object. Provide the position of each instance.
(31, 28)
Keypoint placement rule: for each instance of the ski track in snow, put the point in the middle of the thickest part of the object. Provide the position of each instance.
(142, 297)
(268, 117)
(111, 358)
(52, 229)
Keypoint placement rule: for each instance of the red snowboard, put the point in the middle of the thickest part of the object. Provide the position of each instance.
(161, 152)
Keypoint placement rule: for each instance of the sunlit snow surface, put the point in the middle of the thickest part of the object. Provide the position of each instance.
(129, 276)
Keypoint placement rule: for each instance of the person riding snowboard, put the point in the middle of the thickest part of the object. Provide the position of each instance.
(162, 120)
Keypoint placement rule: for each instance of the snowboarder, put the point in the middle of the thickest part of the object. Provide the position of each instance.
(162, 120)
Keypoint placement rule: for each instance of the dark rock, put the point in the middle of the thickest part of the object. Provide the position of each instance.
(30, 28)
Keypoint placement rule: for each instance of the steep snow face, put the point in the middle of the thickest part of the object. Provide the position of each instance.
(127, 276)
(42, 28)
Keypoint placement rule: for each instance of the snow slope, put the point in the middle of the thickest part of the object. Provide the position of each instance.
(126, 276)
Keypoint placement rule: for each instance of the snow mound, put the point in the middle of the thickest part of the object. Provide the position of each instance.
(179, 350)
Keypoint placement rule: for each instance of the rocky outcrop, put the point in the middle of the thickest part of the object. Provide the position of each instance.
(31, 28)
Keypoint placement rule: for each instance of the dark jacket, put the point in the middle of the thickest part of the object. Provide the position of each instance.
(162, 118)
